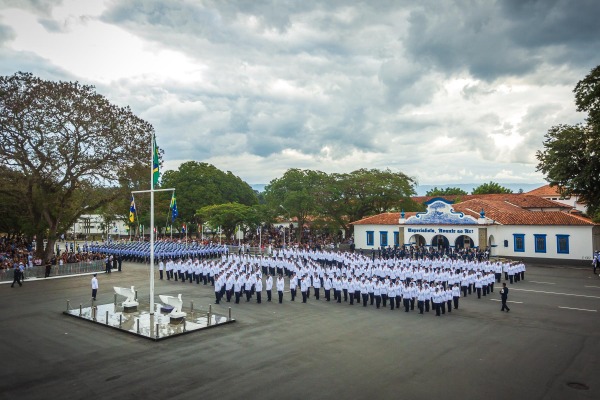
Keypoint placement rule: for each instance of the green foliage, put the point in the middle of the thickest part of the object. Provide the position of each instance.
(61, 143)
(228, 216)
(491, 188)
(449, 191)
(571, 157)
(336, 200)
(199, 185)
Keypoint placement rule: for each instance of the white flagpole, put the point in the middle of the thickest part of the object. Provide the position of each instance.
(260, 240)
(152, 226)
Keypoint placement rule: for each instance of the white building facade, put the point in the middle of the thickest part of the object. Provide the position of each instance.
(496, 224)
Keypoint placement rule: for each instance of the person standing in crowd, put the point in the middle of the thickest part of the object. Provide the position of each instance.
(280, 287)
(161, 267)
(504, 297)
(269, 286)
(94, 287)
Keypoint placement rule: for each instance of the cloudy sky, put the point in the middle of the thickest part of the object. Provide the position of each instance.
(444, 91)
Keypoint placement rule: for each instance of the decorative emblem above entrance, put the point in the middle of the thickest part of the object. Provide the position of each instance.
(440, 212)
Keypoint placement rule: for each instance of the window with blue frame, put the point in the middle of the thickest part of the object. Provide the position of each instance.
(383, 238)
(519, 242)
(370, 238)
(562, 244)
(396, 238)
(540, 243)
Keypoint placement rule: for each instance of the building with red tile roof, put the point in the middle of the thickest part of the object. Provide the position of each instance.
(509, 225)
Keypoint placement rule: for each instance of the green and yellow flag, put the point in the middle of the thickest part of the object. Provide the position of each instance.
(155, 171)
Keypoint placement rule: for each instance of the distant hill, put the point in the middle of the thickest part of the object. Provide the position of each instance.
(467, 187)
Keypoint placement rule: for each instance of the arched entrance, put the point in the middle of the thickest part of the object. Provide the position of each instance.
(464, 242)
(440, 242)
(417, 240)
(492, 245)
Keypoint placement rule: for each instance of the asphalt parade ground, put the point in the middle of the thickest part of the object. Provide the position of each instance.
(546, 347)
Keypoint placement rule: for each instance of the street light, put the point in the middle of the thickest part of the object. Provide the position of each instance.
(284, 227)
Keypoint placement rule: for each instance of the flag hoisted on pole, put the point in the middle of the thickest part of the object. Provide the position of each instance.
(132, 210)
(173, 206)
(155, 164)
(154, 177)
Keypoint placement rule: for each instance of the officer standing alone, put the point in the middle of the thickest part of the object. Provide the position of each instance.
(504, 296)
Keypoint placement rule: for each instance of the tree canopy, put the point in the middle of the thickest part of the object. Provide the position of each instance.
(339, 199)
(61, 143)
(200, 184)
(228, 216)
(491, 188)
(571, 155)
(449, 191)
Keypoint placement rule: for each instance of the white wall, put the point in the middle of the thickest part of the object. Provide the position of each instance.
(360, 235)
(580, 240)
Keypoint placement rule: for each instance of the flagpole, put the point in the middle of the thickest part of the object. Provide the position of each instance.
(152, 225)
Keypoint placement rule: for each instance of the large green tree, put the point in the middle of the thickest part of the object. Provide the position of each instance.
(295, 194)
(491, 188)
(571, 155)
(200, 184)
(449, 191)
(228, 216)
(61, 143)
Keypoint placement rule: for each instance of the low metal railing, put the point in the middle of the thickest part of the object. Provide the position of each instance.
(81, 267)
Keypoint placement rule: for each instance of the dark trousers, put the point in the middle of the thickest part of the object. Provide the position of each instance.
(259, 297)
(47, 274)
(304, 296)
(372, 297)
(378, 300)
(160, 273)
(365, 298)
(511, 278)
(391, 303)
(384, 299)
(327, 294)
(455, 298)
(406, 302)
(498, 277)
(421, 306)
(449, 305)
(228, 295)
(504, 306)
(443, 307)
(427, 305)
(478, 292)
(268, 295)
(293, 293)
(280, 294)
(412, 303)
(464, 291)
(436, 306)
(398, 301)
(217, 297)
(317, 295)
(338, 295)
(94, 292)
(345, 294)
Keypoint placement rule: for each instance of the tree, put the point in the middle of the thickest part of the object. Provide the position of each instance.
(228, 216)
(570, 159)
(350, 197)
(60, 144)
(449, 191)
(295, 194)
(200, 184)
(491, 188)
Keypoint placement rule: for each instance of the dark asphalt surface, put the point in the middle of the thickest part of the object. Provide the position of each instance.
(318, 350)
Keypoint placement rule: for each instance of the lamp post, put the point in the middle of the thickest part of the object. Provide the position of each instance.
(285, 227)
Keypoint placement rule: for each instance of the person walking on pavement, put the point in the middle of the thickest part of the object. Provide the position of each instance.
(504, 296)
(16, 276)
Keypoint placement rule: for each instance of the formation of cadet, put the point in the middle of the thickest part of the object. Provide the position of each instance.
(140, 251)
(428, 283)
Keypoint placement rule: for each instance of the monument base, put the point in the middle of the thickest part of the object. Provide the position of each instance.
(130, 306)
(177, 317)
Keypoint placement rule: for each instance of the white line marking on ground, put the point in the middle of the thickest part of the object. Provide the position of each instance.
(509, 301)
(545, 283)
(563, 294)
(579, 309)
(593, 286)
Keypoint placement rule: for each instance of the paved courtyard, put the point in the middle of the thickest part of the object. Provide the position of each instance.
(547, 347)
